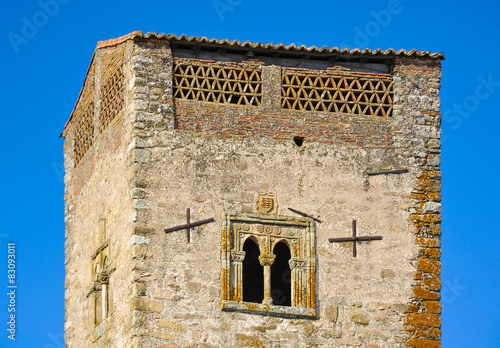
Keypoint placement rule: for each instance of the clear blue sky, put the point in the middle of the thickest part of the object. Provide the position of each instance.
(46, 47)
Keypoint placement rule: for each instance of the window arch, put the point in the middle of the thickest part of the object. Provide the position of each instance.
(269, 265)
(253, 273)
(281, 276)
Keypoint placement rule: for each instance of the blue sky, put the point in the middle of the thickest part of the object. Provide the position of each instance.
(46, 48)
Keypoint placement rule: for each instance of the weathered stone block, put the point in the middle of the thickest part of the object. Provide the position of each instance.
(360, 317)
(423, 319)
(387, 273)
(141, 155)
(433, 306)
(349, 342)
(371, 334)
(432, 207)
(433, 252)
(248, 341)
(143, 304)
(429, 265)
(331, 313)
(163, 294)
(434, 160)
(171, 325)
(194, 286)
(432, 283)
(423, 343)
(426, 294)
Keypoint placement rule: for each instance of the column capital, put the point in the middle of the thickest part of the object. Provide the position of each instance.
(267, 259)
(295, 262)
(238, 256)
(103, 278)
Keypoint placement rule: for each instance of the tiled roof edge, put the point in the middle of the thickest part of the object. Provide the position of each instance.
(271, 46)
(119, 40)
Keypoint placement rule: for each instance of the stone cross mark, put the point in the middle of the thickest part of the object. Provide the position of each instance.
(189, 224)
(354, 239)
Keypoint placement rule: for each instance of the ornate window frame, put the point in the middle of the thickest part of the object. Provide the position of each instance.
(268, 230)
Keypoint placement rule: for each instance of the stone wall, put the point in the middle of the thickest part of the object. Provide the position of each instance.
(418, 85)
(99, 216)
(215, 158)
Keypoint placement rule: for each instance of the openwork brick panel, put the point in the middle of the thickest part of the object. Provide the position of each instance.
(337, 91)
(219, 82)
(84, 118)
(111, 87)
(84, 135)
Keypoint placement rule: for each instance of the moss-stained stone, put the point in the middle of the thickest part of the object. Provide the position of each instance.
(423, 343)
(243, 340)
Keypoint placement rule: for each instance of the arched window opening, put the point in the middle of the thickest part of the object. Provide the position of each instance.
(281, 277)
(253, 273)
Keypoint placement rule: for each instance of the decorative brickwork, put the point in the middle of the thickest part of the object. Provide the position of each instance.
(111, 87)
(337, 91)
(111, 98)
(84, 117)
(84, 132)
(218, 82)
(274, 121)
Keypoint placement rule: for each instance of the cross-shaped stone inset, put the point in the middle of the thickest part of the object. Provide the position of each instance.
(189, 224)
(354, 239)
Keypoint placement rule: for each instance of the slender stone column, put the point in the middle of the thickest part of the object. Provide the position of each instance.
(104, 301)
(238, 257)
(297, 268)
(103, 278)
(266, 261)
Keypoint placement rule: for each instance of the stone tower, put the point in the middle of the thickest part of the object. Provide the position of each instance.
(226, 193)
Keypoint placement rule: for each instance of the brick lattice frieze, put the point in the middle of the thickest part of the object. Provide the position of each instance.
(111, 87)
(209, 81)
(84, 135)
(84, 118)
(337, 91)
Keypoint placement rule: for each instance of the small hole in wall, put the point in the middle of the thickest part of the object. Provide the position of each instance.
(298, 140)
